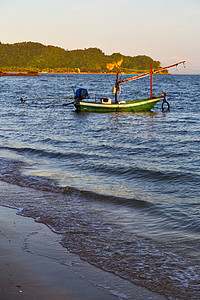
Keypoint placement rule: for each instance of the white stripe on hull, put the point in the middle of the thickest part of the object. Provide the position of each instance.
(118, 105)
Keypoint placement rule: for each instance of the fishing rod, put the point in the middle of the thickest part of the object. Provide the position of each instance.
(59, 105)
(52, 98)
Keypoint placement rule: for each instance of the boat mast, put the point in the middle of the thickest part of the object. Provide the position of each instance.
(151, 82)
(116, 84)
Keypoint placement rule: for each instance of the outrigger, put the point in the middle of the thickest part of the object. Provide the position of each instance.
(106, 104)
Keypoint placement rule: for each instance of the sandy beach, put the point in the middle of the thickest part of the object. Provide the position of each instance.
(35, 266)
(26, 275)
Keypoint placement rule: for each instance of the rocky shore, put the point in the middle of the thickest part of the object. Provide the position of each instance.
(19, 74)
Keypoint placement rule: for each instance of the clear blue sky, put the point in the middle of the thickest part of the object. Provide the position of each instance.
(166, 30)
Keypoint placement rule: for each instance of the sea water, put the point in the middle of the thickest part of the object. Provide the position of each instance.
(123, 189)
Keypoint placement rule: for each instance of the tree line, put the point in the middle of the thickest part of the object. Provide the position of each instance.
(36, 57)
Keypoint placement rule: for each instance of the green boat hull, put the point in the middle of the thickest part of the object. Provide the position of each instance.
(141, 105)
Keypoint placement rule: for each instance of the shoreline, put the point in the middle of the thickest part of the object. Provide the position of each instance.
(32, 74)
(35, 266)
(4, 73)
(41, 73)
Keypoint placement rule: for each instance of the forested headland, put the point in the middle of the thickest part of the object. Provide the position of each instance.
(36, 57)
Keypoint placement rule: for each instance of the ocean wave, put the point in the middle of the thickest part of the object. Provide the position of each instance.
(170, 218)
(10, 172)
(97, 163)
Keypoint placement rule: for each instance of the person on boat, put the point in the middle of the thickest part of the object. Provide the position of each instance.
(81, 94)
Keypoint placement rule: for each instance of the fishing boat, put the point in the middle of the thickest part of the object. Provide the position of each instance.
(83, 103)
(106, 105)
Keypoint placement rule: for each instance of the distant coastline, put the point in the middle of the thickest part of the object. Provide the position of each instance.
(32, 74)
(29, 57)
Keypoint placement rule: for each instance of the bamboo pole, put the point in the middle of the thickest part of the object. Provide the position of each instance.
(148, 73)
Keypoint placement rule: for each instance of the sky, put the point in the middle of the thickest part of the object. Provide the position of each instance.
(168, 31)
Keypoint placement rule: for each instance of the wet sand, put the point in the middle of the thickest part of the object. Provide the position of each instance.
(35, 266)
